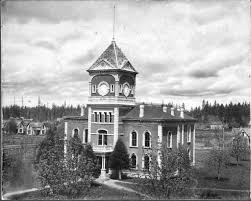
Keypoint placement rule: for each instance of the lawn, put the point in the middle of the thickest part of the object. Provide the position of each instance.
(97, 192)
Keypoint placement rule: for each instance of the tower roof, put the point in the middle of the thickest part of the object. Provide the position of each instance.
(112, 59)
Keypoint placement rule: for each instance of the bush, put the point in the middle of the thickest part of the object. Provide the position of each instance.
(209, 194)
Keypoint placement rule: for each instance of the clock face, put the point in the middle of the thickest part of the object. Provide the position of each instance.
(103, 88)
(126, 90)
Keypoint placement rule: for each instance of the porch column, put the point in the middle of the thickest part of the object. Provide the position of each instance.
(193, 145)
(178, 135)
(103, 170)
(182, 134)
(160, 135)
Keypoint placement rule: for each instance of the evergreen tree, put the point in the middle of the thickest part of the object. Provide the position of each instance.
(119, 158)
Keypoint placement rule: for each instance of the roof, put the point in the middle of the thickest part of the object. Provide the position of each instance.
(85, 117)
(155, 112)
(112, 59)
(36, 124)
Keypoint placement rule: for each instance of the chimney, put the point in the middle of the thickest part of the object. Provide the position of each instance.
(182, 112)
(164, 108)
(82, 110)
(172, 111)
(141, 110)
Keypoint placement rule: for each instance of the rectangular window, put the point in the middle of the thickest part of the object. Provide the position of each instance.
(105, 139)
(110, 114)
(95, 117)
(169, 140)
(100, 117)
(105, 116)
(100, 140)
(86, 135)
(112, 88)
(94, 88)
(132, 90)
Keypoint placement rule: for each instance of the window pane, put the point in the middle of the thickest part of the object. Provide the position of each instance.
(99, 139)
(146, 162)
(86, 135)
(75, 133)
(133, 159)
(147, 139)
(105, 139)
(105, 117)
(100, 117)
(110, 116)
(134, 139)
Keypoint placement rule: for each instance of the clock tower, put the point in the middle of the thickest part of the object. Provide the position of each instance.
(111, 94)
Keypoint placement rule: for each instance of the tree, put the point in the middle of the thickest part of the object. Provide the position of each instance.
(218, 159)
(119, 158)
(172, 174)
(71, 175)
(11, 127)
(239, 147)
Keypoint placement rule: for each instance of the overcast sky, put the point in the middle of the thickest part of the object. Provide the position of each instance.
(184, 51)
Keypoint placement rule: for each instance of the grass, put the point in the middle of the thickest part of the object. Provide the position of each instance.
(234, 177)
(97, 192)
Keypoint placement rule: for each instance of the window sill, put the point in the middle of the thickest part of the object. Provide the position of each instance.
(146, 147)
(133, 146)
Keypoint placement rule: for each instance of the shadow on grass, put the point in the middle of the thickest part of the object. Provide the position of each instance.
(235, 165)
(216, 179)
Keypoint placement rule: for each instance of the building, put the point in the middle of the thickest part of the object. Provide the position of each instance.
(22, 125)
(113, 113)
(36, 128)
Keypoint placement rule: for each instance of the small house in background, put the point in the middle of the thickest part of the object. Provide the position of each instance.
(243, 132)
(22, 125)
(214, 122)
(36, 128)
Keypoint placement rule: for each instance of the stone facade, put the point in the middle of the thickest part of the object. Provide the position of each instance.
(113, 113)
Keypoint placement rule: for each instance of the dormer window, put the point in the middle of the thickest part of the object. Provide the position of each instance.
(94, 88)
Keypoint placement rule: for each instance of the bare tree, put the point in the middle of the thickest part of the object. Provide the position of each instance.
(218, 160)
(169, 173)
(239, 148)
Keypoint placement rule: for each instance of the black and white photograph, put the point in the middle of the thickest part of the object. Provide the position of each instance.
(125, 100)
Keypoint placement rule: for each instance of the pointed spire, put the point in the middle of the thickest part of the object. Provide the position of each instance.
(113, 31)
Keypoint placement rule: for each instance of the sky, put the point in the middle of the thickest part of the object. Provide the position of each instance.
(184, 51)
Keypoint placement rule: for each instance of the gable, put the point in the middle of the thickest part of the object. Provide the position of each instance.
(127, 66)
(103, 65)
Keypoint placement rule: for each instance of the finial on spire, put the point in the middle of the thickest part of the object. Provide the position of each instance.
(113, 35)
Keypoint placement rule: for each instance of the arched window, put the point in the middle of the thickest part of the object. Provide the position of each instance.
(75, 133)
(133, 161)
(146, 162)
(85, 137)
(100, 117)
(110, 114)
(134, 139)
(147, 138)
(169, 139)
(95, 117)
(102, 137)
(105, 114)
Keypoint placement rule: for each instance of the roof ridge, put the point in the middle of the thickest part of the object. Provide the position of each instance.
(115, 52)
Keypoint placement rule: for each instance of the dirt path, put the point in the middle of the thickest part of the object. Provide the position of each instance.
(114, 184)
